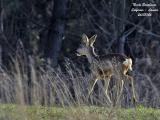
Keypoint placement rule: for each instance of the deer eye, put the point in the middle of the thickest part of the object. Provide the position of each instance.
(78, 54)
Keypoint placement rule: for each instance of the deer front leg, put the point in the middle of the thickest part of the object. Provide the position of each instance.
(106, 83)
(92, 88)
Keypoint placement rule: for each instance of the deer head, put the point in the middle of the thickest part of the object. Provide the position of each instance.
(87, 47)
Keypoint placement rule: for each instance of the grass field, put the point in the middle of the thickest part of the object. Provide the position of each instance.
(17, 112)
(70, 90)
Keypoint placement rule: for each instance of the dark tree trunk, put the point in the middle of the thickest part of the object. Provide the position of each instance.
(122, 41)
(56, 31)
(0, 55)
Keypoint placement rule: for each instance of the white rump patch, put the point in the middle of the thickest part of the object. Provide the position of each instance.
(128, 62)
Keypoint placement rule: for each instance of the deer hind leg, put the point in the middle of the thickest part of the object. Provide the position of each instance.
(131, 80)
(120, 92)
(133, 91)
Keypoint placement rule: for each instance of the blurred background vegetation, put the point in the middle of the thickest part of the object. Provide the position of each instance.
(52, 29)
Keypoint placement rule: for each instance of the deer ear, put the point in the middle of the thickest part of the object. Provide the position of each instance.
(92, 40)
(85, 39)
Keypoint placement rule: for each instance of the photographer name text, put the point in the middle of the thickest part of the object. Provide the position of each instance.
(144, 9)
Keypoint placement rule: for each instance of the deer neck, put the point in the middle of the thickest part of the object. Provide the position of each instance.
(90, 58)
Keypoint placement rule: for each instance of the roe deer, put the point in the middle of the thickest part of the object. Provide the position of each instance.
(102, 67)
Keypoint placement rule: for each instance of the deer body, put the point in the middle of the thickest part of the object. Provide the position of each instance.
(102, 67)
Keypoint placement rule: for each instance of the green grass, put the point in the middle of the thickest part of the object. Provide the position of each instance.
(17, 112)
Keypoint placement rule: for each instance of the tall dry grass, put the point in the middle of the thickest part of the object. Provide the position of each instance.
(37, 83)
